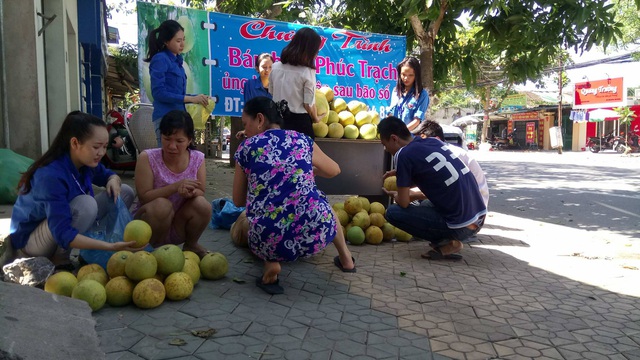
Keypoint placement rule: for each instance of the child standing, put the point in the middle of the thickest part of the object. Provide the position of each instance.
(409, 100)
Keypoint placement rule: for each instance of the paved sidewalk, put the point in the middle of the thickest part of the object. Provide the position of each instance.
(517, 294)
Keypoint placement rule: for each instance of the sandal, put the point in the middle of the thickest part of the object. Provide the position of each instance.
(454, 246)
(336, 262)
(273, 288)
(436, 255)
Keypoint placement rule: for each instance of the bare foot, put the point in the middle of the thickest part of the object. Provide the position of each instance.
(271, 271)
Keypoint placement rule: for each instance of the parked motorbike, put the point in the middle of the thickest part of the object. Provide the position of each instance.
(608, 142)
(630, 143)
(507, 143)
(121, 152)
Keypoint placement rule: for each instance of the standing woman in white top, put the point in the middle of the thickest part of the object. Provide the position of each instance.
(293, 79)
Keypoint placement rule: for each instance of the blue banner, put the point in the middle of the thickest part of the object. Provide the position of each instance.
(356, 65)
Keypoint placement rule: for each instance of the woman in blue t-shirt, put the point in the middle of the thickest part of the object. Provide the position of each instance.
(259, 86)
(168, 78)
(409, 100)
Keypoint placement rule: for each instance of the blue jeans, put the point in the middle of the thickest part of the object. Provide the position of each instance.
(425, 222)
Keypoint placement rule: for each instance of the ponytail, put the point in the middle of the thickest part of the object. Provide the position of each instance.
(158, 37)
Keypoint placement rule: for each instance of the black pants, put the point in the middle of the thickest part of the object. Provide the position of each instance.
(300, 123)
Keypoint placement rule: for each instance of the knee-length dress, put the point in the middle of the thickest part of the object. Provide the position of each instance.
(288, 216)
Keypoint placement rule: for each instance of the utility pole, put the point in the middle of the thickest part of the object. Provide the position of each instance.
(560, 107)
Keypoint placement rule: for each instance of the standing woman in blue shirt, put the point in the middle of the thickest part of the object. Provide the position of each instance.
(409, 100)
(168, 78)
(56, 203)
(260, 85)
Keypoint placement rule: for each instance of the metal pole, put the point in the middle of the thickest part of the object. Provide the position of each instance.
(560, 106)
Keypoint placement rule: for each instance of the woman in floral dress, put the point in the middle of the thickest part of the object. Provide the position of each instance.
(289, 218)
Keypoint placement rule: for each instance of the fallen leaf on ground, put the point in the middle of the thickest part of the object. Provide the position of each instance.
(205, 334)
(177, 342)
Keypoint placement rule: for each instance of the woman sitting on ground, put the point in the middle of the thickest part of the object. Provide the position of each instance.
(289, 218)
(170, 185)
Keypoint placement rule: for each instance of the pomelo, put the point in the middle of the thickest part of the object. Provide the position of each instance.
(333, 117)
(119, 291)
(346, 118)
(170, 259)
(339, 104)
(148, 294)
(94, 272)
(138, 231)
(92, 292)
(366, 205)
(355, 235)
(351, 132)
(375, 117)
(390, 183)
(115, 265)
(141, 265)
(320, 129)
(388, 232)
(343, 217)
(192, 269)
(356, 106)
(61, 283)
(178, 286)
(190, 255)
(377, 207)
(368, 131)
(214, 266)
(327, 92)
(377, 219)
(336, 131)
(322, 106)
(352, 205)
(373, 235)
(361, 220)
(362, 118)
(339, 205)
(402, 235)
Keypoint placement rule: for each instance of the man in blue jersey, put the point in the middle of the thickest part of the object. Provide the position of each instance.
(451, 209)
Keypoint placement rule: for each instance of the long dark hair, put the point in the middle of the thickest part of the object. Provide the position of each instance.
(302, 49)
(417, 84)
(77, 125)
(176, 120)
(160, 35)
(271, 111)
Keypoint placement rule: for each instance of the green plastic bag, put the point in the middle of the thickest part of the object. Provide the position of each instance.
(12, 165)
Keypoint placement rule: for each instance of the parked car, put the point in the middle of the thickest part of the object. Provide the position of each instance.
(226, 133)
(453, 135)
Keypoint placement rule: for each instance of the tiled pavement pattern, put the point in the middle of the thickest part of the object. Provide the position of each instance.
(515, 295)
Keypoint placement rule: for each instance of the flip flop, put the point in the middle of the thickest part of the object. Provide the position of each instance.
(273, 289)
(436, 255)
(336, 262)
(452, 247)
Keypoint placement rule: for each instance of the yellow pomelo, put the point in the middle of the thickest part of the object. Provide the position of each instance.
(214, 266)
(351, 132)
(390, 183)
(141, 265)
(339, 104)
(402, 235)
(377, 219)
(119, 291)
(138, 231)
(333, 117)
(322, 106)
(190, 255)
(115, 265)
(61, 283)
(366, 205)
(148, 294)
(342, 216)
(355, 235)
(192, 269)
(373, 235)
(94, 272)
(362, 118)
(375, 117)
(178, 286)
(170, 259)
(92, 292)
(336, 131)
(388, 232)
(327, 92)
(377, 207)
(352, 205)
(337, 206)
(361, 220)
(356, 106)
(320, 129)
(346, 118)
(368, 131)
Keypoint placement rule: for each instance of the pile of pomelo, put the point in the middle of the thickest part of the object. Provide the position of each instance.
(364, 222)
(143, 278)
(339, 119)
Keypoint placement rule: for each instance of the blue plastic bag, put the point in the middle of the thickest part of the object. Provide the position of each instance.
(224, 213)
(110, 229)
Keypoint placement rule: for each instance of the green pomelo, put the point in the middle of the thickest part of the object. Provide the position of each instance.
(343, 217)
(388, 232)
(402, 235)
(361, 220)
(333, 117)
(61, 283)
(337, 206)
(178, 286)
(355, 235)
(214, 266)
(148, 294)
(119, 291)
(170, 259)
(366, 205)
(373, 235)
(141, 265)
(190, 255)
(92, 292)
(115, 265)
